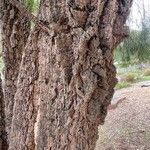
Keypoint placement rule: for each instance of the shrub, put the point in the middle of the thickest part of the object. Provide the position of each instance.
(129, 77)
(122, 85)
(146, 72)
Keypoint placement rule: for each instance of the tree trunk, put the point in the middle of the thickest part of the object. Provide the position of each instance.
(3, 135)
(15, 33)
(67, 76)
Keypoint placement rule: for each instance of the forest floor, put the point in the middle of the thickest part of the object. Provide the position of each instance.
(128, 126)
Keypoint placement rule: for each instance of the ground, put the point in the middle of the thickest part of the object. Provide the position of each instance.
(128, 126)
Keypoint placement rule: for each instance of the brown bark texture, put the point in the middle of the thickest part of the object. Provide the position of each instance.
(3, 135)
(67, 77)
(15, 31)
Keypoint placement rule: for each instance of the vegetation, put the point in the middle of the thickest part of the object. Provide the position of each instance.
(146, 72)
(135, 49)
(126, 79)
(55, 75)
(132, 56)
(122, 85)
(32, 5)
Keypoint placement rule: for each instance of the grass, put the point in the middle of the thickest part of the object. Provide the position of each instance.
(146, 72)
(122, 85)
(145, 78)
(127, 78)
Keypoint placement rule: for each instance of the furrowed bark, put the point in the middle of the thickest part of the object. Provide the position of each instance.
(25, 106)
(3, 135)
(67, 77)
(26, 13)
(15, 31)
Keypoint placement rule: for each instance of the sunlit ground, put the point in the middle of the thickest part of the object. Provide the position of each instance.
(127, 127)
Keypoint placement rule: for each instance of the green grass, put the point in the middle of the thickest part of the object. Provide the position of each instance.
(144, 78)
(130, 77)
(146, 72)
(122, 85)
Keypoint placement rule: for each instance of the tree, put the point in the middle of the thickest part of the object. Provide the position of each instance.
(135, 49)
(15, 30)
(67, 77)
(3, 135)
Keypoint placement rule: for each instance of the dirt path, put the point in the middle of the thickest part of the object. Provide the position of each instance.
(128, 126)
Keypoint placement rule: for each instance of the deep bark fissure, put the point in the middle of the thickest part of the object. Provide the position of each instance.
(26, 13)
(15, 32)
(25, 99)
(75, 76)
(3, 134)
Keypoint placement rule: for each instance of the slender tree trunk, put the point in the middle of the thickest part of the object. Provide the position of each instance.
(15, 33)
(67, 76)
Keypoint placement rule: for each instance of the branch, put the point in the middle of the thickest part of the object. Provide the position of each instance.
(29, 15)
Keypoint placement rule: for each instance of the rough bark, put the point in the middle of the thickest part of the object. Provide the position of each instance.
(15, 31)
(67, 76)
(25, 107)
(26, 13)
(3, 135)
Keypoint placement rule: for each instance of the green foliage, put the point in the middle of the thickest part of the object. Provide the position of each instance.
(144, 78)
(143, 46)
(146, 72)
(129, 77)
(31, 5)
(122, 85)
(134, 49)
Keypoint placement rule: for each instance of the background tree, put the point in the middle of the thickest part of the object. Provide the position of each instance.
(135, 49)
(67, 77)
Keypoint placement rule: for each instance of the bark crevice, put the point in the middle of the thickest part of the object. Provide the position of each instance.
(74, 79)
